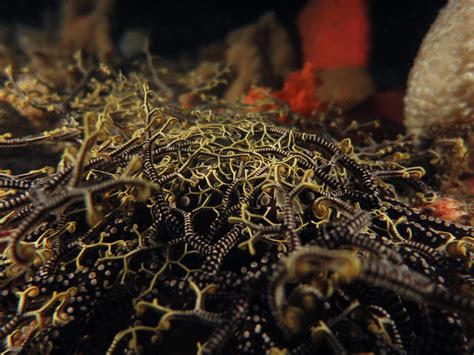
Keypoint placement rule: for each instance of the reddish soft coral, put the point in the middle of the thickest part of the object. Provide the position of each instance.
(258, 96)
(449, 209)
(298, 92)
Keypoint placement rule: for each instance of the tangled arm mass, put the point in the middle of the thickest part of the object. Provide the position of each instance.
(274, 240)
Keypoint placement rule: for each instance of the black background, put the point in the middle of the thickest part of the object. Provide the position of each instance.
(178, 27)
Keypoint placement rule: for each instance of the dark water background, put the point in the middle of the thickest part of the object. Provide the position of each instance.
(178, 27)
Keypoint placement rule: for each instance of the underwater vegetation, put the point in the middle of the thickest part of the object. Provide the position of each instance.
(217, 230)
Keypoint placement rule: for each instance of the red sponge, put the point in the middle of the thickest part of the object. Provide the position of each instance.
(335, 33)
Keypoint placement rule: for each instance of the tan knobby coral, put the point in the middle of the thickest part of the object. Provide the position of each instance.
(260, 53)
